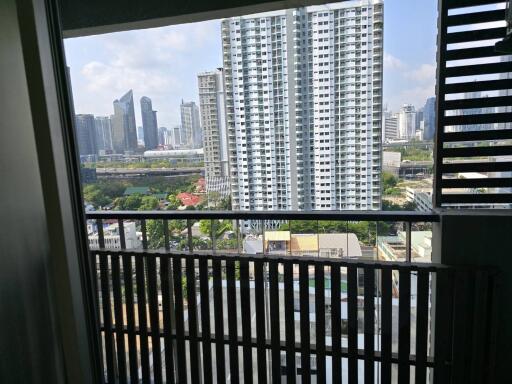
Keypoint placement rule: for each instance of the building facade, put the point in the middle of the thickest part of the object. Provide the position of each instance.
(86, 135)
(429, 119)
(213, 124)
(407, 122)
(191, 135)
(390, 126)
(304, 107)
(124, 131)
(149, 123)
(103, 133)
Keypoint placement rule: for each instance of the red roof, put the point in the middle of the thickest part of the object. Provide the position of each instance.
(188, 199)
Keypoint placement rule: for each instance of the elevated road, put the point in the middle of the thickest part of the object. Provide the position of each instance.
(139, 172)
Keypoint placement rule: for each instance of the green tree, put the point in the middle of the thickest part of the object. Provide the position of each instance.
(174, 202)
(128, 203)
(148, 203)
(94, 195)
(220, 226)
(388, 180)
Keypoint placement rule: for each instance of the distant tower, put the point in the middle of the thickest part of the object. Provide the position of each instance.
(149, 123)
(407, 122)
(191, 135)
(213, 123)
(103, 133)
(86, 134)
(124, 130)
(429, 117)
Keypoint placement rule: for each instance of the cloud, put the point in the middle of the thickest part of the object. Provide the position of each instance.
(392, 63)
(423, 74)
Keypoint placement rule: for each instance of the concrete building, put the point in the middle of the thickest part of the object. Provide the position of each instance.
(303, 107)
(390, 129)
(407, 122)
(86, 135)
(391, 162)
(124, 131)
(213, 123)
(162, 133)
(421, 197)
(149, 123)
(429, 118)
(191, 135)
(103, 133)
(174, 137)
(112, 237)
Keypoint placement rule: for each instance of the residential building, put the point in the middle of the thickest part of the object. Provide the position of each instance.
(304, 132)
(149, 123)
(124, 131)
(162, 133)
(429, 118)
(86, 135)
(174, 137)
(390, 129)
(112, 236)
(407, 122)
(190, 135)
(213, 123)
(103, 133)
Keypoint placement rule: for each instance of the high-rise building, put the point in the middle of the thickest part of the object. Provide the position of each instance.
(429, 117)
(124, 131)
(191, 135)
(149, 123)
(407, 122)
(162, 133)
(472, 111)
(86, 134)
(213, 124)
(304, 107)
(175, 137)
(103, 133)
(390, 122)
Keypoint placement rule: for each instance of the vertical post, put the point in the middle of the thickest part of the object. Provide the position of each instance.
(212, 235)
(189, 236)
(408, 241)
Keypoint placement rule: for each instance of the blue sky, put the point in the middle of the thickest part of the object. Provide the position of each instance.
(163, 63)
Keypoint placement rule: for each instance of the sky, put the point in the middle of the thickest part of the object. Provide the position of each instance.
(163, 63)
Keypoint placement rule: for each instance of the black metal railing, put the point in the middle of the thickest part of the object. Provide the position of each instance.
(171, 315)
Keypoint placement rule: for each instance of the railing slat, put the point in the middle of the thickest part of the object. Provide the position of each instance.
(219, 321)
(245, 301)
(141, 310)
(352, 324)
(232, 321)
(336, 323)
(130, 317)
(461, 330)
(260, 296)
(107, 317)
(289, 327)
(119, 318)
(181, 358)
(480, 326)
(369, 325)
(386, 324)
(404, 325)
(205, 320)
(422, 310)
(192, 319)
(443, 326)
(167, 319)
(305, 337)
(320, 321)
(275, 333)
(154, 320)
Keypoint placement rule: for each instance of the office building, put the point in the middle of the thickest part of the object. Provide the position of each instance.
(407, 122)
(103, 133)
(174, 137)
(304, 107)
(124, 132)
(191, 135)
(390, 129)
(429, 119)
(213, 124)
(86, 135)
(149, 123)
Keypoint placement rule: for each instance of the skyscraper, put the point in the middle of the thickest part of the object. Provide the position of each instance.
(103, 133)
(407, 122)
(86, 134)
(304, 107)
(191, 135)
(213, 123)
(149, 123)
(124, 131)
(162, 133)
(390, 126)
(176, 137)
(429, 117)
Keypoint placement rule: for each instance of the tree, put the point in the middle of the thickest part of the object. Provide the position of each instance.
(155, 233)
(225, 204)
(220, 226)
(148, 203)
(94, 195)
(174, 202)
(128, 203)
(388, 180)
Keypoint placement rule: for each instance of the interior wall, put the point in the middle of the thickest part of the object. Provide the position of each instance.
(29, 347)
(483, 239)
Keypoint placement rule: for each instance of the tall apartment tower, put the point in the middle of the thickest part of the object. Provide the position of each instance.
(149, 124)
(390, 129)
(429, 117)
(175, 137)
(103, 133)
(407, 122)
(86, 135)
(213, 124)
(304, 107)
(124, 130)
(191, 135)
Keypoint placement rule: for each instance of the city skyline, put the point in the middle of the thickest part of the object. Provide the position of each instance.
(163, 63)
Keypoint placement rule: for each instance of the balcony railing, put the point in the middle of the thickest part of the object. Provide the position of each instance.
(226, 315)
